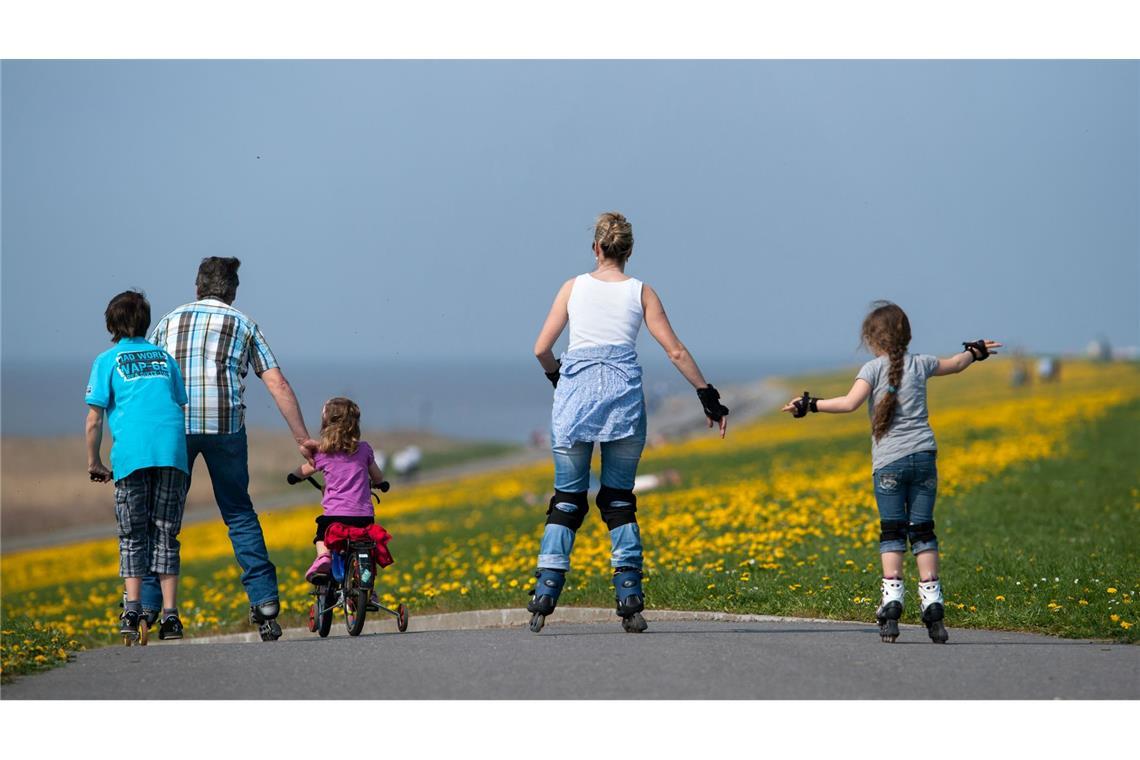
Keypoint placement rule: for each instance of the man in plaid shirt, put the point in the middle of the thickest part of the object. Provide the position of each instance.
(215, 345)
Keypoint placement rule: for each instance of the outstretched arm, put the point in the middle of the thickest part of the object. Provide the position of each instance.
(286, 401)
(959, 361)
(854, 399)
(657, 322)
(552, 328)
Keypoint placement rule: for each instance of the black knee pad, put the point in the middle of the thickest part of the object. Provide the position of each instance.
(559, 514)
(923, 531)
(614, 515)
(892, 530)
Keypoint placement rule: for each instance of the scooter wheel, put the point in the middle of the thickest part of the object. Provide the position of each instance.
(144, 631)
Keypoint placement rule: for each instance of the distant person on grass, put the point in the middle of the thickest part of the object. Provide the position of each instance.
(215, 345)
(598, 398)
(138, 387)
(903, 452)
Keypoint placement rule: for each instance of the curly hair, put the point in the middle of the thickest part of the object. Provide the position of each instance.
(340, 426)
(886, 330)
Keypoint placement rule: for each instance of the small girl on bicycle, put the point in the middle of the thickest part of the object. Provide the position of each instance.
(349, 468)
(903, 451)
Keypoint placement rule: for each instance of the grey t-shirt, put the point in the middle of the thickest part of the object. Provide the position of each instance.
(909, 431)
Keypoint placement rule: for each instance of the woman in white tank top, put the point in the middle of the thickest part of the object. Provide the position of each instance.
(598, 398)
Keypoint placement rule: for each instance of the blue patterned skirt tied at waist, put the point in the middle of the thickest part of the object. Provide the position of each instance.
(599, 396)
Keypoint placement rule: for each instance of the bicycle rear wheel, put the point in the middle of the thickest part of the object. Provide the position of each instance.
(355, 598)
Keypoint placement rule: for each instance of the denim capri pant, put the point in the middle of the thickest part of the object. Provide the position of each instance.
(905, 490)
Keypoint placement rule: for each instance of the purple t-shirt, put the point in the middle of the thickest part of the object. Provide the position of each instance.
(347, 492)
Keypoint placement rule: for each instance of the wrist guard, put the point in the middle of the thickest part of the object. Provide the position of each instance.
(710, 400)
(977, 350)
(553, 376)
(804, 404)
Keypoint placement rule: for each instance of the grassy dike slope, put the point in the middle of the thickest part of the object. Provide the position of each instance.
(1038, 516)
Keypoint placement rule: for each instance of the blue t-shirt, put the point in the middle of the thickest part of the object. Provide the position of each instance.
(141, 388)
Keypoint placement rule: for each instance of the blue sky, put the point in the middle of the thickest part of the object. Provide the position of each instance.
(421, 209)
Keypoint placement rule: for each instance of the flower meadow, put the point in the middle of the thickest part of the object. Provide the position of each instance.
(1038, 517)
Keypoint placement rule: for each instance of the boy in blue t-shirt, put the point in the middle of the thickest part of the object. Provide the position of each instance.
(139, 387)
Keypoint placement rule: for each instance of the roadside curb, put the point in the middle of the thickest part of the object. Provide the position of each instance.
(518, 618)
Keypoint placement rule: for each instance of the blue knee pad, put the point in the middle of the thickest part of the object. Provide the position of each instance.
(627, 587)
(547, 586)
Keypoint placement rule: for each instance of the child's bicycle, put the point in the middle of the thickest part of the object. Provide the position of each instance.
(350, 583)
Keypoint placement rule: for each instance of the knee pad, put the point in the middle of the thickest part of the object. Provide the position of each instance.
(567, 509)
(618, 506)
(923, 532)
(547, 586)
(892, 530)
(627, 587)
(260, 613)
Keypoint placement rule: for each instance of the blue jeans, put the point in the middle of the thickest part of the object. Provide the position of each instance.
(227, 460)
(572, 475)
(905, 491)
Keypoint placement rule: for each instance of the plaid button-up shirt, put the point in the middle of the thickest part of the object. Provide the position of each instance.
(215, 344)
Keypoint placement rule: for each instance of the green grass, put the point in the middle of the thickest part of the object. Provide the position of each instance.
(1054, 531)
(29, 648)
(1045, 532)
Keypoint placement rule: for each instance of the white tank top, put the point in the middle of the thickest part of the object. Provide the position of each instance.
(604, 313)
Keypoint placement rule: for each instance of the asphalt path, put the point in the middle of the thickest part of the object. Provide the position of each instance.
(675, 659)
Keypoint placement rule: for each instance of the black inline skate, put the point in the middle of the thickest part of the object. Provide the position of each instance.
(933, 612)
(264, 616)
(630, 599)
(547, 586)
(890, 609)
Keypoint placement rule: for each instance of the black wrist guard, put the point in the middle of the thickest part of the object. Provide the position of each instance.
(804, 404)
(553, 376)
(977, 350)
(710, 400)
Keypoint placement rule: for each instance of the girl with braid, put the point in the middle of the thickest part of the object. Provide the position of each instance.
(903, 454)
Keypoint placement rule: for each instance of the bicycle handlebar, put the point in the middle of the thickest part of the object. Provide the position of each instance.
(293, 480)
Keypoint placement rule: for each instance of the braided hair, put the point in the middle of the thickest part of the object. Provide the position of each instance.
(614, 234)
(887, 330)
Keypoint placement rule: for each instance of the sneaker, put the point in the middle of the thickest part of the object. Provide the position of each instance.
(171, 628)
(151, 616)
(373, 603)
(319, 571)
(129, 623)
